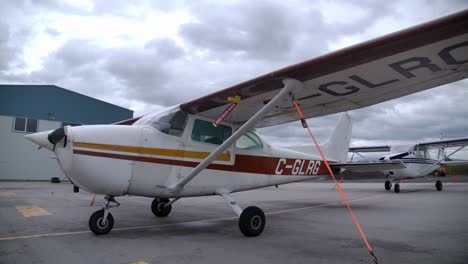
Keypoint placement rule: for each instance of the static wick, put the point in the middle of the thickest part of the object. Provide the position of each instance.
(234, 100)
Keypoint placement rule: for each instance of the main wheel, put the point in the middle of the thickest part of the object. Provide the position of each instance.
(388, 185)
(438, 186)
(99, 225)
(397, 188)
(158, 207)
(252, 221)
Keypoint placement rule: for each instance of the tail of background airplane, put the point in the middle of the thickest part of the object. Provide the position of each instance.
(337, 146)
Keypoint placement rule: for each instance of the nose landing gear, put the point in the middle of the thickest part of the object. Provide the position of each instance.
(102, 221)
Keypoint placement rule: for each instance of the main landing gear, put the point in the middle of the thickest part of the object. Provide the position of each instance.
(102, 221)
(388, 185)
(161, 207)
(251, 219)
(396, 188)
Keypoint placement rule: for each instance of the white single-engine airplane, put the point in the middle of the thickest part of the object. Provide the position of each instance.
(178, 152)
(416, 159)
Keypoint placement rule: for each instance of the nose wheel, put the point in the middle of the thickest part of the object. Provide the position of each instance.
(102, 221)
(100, 225)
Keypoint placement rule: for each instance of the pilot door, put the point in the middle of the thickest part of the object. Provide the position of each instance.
(200, 139)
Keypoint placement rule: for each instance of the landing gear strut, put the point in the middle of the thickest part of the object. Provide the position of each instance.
(388, 185)
(438, 185)
(251, 219)
(102, 221)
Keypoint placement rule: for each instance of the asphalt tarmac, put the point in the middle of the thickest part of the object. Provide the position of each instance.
(306, 223)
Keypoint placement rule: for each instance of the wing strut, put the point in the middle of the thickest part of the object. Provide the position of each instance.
(289, 86)
(438, 162)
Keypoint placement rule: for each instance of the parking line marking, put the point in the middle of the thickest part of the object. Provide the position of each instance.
(32, 210)
(138, 262)
(185, 223)
(7, 194)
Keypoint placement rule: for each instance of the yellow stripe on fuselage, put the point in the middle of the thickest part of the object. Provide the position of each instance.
(153, 151)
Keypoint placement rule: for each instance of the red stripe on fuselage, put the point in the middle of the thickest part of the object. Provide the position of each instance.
(243, 163)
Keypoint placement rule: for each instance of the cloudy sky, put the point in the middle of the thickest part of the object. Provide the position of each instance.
(147, 55)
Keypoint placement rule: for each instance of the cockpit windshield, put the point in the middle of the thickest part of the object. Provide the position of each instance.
(171, 121)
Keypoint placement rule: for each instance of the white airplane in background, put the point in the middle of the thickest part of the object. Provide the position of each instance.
(416, 159)
(177, 152)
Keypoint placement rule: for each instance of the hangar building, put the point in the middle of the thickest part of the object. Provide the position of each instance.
(32, 108)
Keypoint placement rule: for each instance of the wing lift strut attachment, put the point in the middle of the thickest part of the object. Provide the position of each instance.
(289, 86)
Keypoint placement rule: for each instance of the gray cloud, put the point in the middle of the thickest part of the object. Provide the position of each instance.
(264, 30)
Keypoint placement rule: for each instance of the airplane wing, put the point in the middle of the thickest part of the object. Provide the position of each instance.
(369, 166)
(456, 142)
(370, 149)
(395, 65)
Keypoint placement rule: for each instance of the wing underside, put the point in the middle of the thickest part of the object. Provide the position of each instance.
(456, 142)
(375, 71)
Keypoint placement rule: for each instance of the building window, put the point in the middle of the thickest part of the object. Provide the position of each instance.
(23, 124)
(70, 124)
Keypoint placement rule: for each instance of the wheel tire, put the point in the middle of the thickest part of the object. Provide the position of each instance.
(96, 225)
(252, 221)
(158, 208)
(388, 185)
(397, 188)
(438, 186)
(55, 180)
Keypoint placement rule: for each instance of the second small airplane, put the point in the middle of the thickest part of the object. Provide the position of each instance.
(416, 160)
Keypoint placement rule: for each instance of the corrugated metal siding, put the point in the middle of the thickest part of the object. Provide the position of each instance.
(43, 101)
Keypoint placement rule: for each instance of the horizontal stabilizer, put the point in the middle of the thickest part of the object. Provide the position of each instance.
(370, 149)
(454, 162)
(369, 166)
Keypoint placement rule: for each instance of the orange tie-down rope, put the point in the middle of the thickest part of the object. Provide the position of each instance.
(356, 222)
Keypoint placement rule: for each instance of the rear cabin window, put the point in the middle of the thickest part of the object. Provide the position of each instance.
(204, 131)
(249, 141)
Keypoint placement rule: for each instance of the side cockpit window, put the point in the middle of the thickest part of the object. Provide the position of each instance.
(249, 141)
(204, 131)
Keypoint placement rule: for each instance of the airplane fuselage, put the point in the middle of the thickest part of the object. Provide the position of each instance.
(142, 160)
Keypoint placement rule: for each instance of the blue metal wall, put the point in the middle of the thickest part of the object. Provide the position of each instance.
(50, 102)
